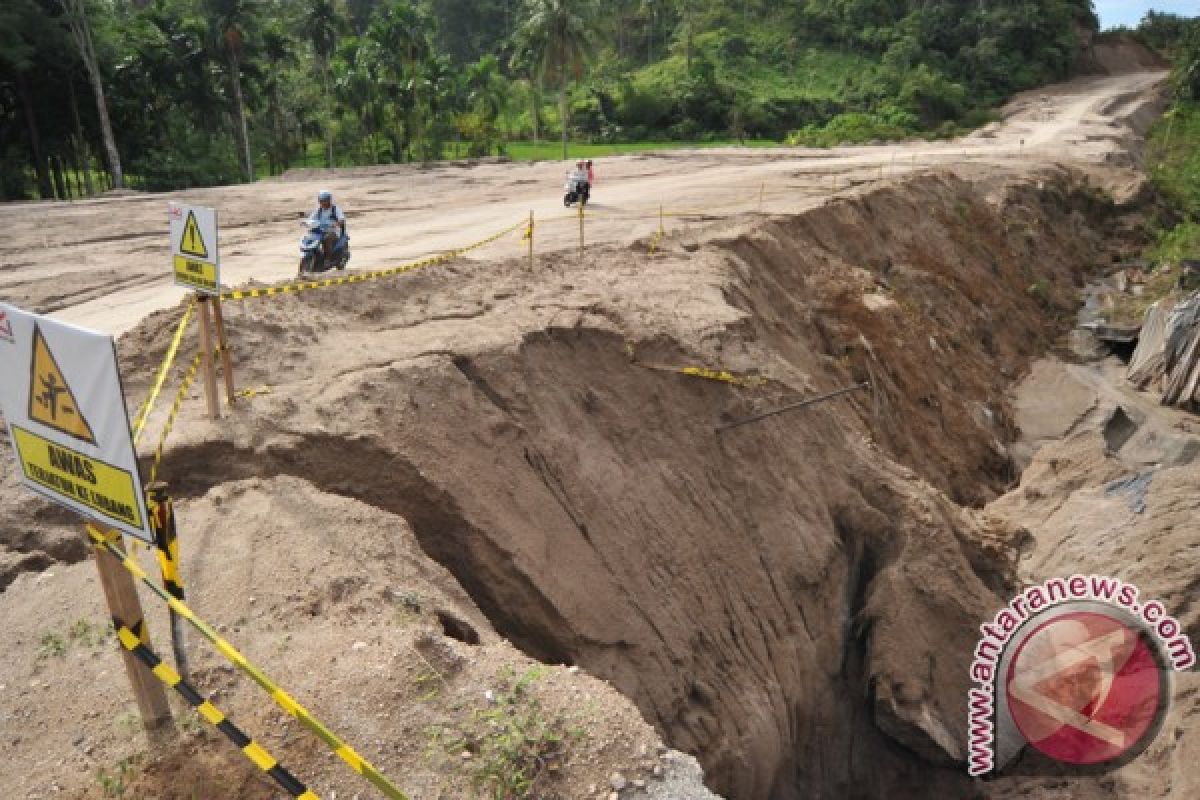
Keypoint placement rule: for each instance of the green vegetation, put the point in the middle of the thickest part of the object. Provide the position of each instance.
(179, 93)
(1173, 149)
(1173, 157)
(82, 632)
(52, 645)
(510, 747)
(116, 782)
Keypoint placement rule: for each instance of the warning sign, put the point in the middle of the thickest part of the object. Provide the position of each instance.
(68, 423)
(194, 247)
(103, 488)
(192, 243)
(51, 401)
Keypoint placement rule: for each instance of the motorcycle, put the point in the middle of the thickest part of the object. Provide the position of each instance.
(312, 254)
(576, 191)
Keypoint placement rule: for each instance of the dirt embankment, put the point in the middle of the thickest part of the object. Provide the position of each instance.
(1117, 53)
(795, 601)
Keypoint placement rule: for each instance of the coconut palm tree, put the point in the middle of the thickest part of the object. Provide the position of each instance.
(561, 34)
(324, 23)
(401, 33)
(487, 95)
(525, 60)
(230, 22)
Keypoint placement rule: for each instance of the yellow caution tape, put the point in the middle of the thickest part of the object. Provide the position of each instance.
(162, 522)
(301, 286)
(139, 423)
(719, 375)
(186, 384)
(108, 540)
(135, 643)
(724, 376)
(255, 392)
(654, 242)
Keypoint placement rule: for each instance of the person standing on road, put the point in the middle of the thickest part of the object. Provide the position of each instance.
(332, 220)
(591, 174)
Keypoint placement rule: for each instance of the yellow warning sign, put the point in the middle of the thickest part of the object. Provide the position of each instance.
(192, 243)
(107, 490)
(51, 401)
(198, 274)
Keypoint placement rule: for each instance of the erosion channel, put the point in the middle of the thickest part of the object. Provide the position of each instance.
(794, 601)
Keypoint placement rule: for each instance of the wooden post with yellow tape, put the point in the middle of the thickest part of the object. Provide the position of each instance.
(121, 595)
(223, 344)
(196, 262)
(529, 236)
(581, 228)
(206, 359)
(166, 540)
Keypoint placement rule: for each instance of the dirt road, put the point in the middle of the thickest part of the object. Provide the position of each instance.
(103, 263)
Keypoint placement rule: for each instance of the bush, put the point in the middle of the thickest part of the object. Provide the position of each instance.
(192, 158)
(849, 128)
(14, 178)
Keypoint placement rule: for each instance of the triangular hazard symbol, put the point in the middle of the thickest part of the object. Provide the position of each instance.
(192, 243)
(51, 401)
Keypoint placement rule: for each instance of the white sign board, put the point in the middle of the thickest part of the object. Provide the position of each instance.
(62, 400)
(194, 247)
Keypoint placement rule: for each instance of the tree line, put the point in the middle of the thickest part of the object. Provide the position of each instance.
(161, 94)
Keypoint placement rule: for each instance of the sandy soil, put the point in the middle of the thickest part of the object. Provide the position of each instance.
(104, 263)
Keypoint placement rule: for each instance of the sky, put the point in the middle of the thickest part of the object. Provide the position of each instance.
(1129, 12)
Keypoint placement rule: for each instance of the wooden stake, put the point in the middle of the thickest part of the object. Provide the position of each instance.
(531, 240)
(762, 189)
(123, 604)
(206, 355)
(581, 230)
(223, 343)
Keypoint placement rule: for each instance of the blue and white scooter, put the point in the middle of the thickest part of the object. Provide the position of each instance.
(312, 255)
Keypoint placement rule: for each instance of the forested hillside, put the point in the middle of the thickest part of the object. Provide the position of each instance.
(161, 94)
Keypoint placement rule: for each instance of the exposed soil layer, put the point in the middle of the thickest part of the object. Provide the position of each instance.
(793, 601)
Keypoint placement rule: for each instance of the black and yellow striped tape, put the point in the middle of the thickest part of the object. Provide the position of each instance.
(162, 521)
(133, 640)
(301, 286)
(139, 422)
(180, 395)
(109, 539)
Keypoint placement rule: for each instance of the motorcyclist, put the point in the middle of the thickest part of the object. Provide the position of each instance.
(577, 180)
(331, 219)
(579, 176)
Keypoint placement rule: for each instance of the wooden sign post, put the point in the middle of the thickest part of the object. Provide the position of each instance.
(121, 594)
(195, 257)
(66, 416)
